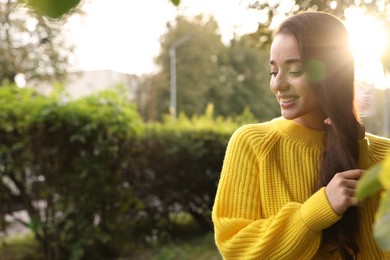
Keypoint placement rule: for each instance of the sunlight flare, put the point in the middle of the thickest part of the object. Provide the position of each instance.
(368, 42)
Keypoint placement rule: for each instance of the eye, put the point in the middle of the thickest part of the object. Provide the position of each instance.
(296, 73)
(273, 73)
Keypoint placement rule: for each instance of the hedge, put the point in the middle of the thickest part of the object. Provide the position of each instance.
(94, 178)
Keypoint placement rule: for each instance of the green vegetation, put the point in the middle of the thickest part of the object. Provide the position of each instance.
(197, 248)
(20, 247)
(51, 8)
(95, 180)
(377, 180)
(232, 77)
(200, 247)
(33, 48)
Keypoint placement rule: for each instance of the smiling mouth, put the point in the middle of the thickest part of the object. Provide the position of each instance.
(287, 100)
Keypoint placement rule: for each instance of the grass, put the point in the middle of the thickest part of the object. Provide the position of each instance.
(199, 248)
(18, 247)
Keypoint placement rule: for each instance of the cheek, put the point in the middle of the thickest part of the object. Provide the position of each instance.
(303, 87)
(312, 101)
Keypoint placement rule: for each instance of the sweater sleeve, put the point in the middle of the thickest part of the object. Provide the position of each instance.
(241, 232)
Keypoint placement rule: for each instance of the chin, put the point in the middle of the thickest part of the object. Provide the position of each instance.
(288, 117)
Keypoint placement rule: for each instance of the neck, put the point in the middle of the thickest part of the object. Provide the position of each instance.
(313, 120)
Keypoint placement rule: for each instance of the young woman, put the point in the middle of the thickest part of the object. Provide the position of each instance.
(287, 186)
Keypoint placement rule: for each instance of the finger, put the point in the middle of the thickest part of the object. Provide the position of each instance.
(351, 183)
(351, 192)
(352, 174)
(347, 192)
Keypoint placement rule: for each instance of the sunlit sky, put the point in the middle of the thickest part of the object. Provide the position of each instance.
(123, 35)
(368, 42)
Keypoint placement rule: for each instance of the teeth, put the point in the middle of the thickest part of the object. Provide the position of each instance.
(288, 99)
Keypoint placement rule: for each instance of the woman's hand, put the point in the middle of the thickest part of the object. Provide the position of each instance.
(341, 190)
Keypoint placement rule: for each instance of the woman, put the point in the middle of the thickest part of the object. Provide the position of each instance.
(287, 186)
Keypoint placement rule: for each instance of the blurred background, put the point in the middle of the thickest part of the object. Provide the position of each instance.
(115, 116)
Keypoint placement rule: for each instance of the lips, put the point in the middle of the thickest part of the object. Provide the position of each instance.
(287, 99)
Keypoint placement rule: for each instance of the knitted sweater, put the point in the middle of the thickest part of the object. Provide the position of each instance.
(267, 206)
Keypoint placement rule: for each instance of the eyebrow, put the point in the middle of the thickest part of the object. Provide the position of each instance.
(289, 61)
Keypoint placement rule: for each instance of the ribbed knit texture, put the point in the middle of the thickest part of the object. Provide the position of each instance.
(266, 205)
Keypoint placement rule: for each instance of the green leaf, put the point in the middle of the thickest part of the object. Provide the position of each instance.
(52, 8)
(369, 184)
(382, 222)
(384, 175)
(175, 2)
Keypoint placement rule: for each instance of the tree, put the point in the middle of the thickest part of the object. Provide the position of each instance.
(31, 45)
(245, 67)
(232, 77)
(196, 63)
(149, 95)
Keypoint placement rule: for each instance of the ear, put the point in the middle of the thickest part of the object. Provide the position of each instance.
(327, 121)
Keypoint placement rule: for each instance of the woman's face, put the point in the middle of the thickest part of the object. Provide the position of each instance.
(290, 85)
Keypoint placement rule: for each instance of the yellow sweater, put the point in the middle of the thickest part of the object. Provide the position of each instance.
(266, 205)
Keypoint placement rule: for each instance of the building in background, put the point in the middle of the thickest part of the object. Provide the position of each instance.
(84, 83)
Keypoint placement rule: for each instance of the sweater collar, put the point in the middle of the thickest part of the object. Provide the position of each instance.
(295, 131)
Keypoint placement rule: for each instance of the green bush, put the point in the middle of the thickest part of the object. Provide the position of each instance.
(63, 163)
(179, 164)
(93, 178)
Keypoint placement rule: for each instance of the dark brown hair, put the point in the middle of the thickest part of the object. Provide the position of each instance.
(324, 48)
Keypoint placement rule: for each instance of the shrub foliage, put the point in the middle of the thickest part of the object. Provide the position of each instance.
(92, 177)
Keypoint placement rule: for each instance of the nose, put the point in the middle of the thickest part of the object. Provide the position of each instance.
(279, 82)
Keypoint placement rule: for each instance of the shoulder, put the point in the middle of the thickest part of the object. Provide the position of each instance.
(379, 146)
(253, 131)
(258, 130)
(379, 142)
(256, 135)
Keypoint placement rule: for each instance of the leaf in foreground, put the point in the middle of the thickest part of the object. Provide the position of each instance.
(384, 175)
(175, 2)
(54, 9)
(382, 222)
(369, 184)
